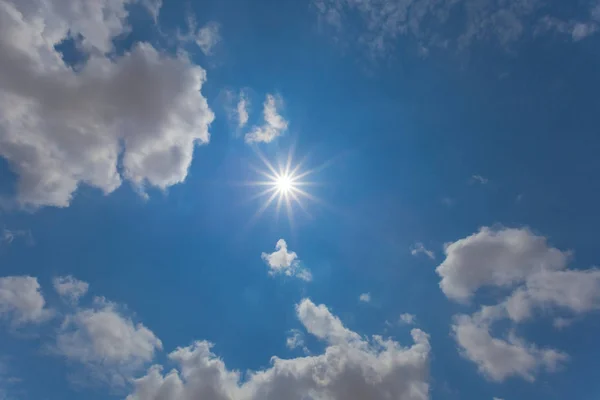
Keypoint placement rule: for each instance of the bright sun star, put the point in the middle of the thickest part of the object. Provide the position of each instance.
(284, 184)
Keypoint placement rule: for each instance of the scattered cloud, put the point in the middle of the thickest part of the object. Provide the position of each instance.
(21, 300)
(110, 345)
(295, 339)
(98, 123)
(479, 179)
(365, 297)
(205, 37)
(537, 278)
(377, 25)
(408, 319)
(496, 358)
(419, 248)
(578, 30)
(275, 125)
(350, 367)
(70, 288)
(242, 110)
(283, 262)
(495, 257)
(8, 236)
(575, 291)
(561, 323)
(208, 37)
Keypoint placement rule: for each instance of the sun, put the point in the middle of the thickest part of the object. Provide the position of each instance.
(284, 186)
(284, 183)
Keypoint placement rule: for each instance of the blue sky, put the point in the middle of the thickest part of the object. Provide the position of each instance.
(440, 240)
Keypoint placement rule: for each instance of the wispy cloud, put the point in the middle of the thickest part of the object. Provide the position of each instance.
(365, 297)
(479, 179)
(419, 248)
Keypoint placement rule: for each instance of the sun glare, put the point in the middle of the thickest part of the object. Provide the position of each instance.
(283, 185)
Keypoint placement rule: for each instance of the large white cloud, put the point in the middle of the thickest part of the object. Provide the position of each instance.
(136, 116)
(538, 279)
(21, 300)
(110, 345)
(495, 257)
(351, 368)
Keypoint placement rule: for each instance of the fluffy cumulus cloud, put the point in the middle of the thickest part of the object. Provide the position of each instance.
(21, 300)
(381, 23)
(110, 345)
(70, 288)
(536, 277)
(491, 257)
(283, 262)
(275, 125)
(365, 297)
(135, 116)
(205, 37)
(499, 358)
(350, 368)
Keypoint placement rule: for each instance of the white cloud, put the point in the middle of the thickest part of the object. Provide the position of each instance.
(70, 288)
(571, 290)
(242, 110)
(365, 297)
(21, 300)
(208, 37)
(295, 339)
(282, 262)
(498, 358)
(538, 280)
(479, 179)
(419, 248)
(275, 125)
(377, 25)
(8, 236)
(495, 257)
(61, 127)
(408, 319)
(497, 398)
(108, 344)
(350, 368)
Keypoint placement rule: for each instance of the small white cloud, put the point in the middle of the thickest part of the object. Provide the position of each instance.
(408, 319)
(8, 236)
(273, 127)
(111, 346)
(283, 262)
(419, 248)
(365, 297)
(208, 37)
(242, 110)
(561, 323)
(479, 179)
(21, 300)
(296, 339)
(70, 288)
(497, 398)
